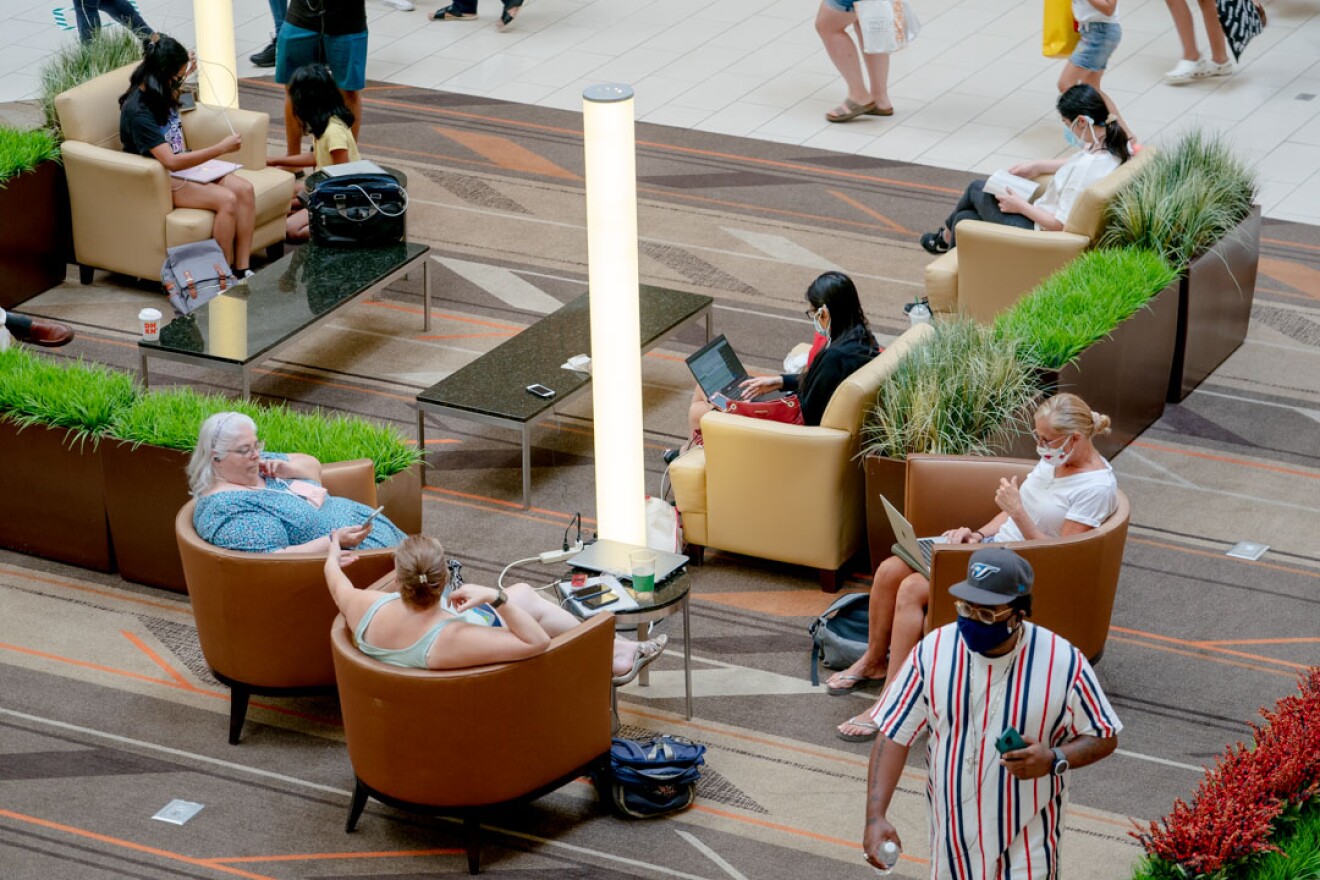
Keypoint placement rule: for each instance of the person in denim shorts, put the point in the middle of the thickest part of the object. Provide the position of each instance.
(1100, 31)
(334, 33)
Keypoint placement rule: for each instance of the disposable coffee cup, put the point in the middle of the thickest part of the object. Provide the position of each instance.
(642, 565)
(150, 319)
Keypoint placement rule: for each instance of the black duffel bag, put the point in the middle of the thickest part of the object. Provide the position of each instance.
(357, 210)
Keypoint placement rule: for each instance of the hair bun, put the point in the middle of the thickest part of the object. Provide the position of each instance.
(1100, 423)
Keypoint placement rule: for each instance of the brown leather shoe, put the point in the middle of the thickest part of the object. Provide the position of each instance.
(49, 334)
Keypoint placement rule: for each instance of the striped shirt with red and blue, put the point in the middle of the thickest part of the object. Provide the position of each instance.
(985, 823)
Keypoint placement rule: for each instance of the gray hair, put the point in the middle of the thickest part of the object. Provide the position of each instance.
(213, 442)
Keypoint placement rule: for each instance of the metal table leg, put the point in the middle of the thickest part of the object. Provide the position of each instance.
(644, 633)
(426, 293)
(687, 654)
(708, 320)
(142, 371)
(421, 434)
(527, 465)
(247, 381)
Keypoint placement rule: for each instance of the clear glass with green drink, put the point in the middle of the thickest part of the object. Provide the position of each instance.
(641, 564)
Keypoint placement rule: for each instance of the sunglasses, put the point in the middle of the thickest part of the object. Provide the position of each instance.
(976, 612)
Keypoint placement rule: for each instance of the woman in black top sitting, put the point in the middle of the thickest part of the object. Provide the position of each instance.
(836, 313)
(149, 126)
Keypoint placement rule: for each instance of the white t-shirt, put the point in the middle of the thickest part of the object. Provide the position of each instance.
(1087, 498)
(1073, 176)
(1084, 12)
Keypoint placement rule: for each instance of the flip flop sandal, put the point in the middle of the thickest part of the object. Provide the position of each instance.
(876, 111)
(646, 652)
(858, 681)
(864, 723)
(448, 14)
(934, 242)
(851, 110)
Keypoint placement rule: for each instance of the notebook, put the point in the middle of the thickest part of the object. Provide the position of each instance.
(207, 172)
(361, 166)
(718, 371)
(911, 549)
(611, 557)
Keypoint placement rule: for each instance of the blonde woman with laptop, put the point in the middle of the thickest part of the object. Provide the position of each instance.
(149, 126)
(1072, 490)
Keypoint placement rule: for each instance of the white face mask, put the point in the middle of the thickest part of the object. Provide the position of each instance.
(1054, 457)
(815, 322)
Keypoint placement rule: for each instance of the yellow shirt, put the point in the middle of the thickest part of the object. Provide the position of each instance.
(336, 136)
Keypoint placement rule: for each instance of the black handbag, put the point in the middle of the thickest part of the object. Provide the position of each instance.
(357, 210)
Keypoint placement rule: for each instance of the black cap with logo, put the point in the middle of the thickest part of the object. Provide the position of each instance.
(995, 576)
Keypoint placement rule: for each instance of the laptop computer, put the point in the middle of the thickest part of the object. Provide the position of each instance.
(718, 371)
(611, 557)
(207, 172)
(911, 549)
(361, 166)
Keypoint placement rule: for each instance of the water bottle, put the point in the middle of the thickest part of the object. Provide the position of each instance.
(919, 313)
(888, 856)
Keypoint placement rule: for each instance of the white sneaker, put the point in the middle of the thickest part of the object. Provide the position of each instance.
(401, 5)
(1214, 69)
(1186, 71)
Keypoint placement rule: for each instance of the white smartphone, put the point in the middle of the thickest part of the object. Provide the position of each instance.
(371, 516)
(540, 390)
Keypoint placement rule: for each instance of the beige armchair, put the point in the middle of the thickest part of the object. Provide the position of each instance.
(790, 493)
(123, 214)
(1076, 577)
(263, 619)
(994, 265)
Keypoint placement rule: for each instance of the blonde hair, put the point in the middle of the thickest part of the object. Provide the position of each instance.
(421, 570)
(1069, 414)
(213, 440)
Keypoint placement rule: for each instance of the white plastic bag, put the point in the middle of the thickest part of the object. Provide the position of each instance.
(663, 529)
(886, 25)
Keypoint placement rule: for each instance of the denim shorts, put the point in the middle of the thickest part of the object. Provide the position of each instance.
(1098, 41)
(346, 55)
(840, 5)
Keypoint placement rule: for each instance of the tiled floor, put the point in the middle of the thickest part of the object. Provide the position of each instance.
(973, 92)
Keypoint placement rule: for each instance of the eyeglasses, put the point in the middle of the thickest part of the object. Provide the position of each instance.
(245, 451)
(1056, 443)
(976, 612)
(811, 313)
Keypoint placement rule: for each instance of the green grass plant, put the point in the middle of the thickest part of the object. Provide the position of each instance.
(84, 398)
(958, 392)
(172, 417)
(23, 150)
(1183, 201)
(1082, 303)
(76, 63)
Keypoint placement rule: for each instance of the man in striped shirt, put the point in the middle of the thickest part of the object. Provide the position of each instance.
(965, 685)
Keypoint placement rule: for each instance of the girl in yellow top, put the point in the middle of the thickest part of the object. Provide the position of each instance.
(319, 106)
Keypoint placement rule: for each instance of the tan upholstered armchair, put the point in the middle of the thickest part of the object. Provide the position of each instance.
(263, 619)
(790, 493)
(123, 214)
(458, 741)
(1076, 577)
(993, 265)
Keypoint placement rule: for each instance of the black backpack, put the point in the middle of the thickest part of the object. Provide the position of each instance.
(838, 636)
(651, 778)
(357, 210)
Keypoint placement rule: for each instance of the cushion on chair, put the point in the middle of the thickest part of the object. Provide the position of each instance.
(847, 407)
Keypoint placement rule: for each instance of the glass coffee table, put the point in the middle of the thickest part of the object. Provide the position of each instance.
(254, 321)
(493, 388)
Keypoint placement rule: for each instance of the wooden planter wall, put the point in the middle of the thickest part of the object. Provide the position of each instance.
(34, 233)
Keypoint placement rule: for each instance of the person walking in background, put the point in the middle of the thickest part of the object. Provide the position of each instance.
(466, 10)
(1009, 708)
(832, 22)
(334, 33)
(1193, 66)
(266, 57)
(1100, 33)
(88, 15)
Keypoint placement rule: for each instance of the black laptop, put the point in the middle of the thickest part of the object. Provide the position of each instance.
(719, 372)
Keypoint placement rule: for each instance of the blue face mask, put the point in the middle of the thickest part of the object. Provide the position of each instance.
(981, 637)
(1073, 140)
(815, 322)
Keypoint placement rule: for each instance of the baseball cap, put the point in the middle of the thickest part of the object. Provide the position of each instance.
(995, 576)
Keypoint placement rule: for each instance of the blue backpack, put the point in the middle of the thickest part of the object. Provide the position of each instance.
(838, 636)
(652, 778)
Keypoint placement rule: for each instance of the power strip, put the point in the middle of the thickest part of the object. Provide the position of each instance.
(550, 557)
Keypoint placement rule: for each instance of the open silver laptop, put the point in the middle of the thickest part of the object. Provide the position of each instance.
(611, 557)
(911, 549)
(208, 172)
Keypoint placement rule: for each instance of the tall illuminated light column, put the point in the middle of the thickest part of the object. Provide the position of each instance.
(217, 76)
(616, 354)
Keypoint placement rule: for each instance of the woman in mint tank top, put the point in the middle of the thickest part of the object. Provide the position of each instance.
(426, 626)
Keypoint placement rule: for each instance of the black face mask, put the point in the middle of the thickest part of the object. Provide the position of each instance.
(981, 637)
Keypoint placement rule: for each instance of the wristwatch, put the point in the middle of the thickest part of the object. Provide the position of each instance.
(504, 597)
(1060, 763)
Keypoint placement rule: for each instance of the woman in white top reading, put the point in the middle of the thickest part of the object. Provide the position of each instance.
(1072, 490)
(1102, 146)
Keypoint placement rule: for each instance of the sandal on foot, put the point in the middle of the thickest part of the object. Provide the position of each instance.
(449, 13)
(856, 681)
(509, 14)
(877, 111)
(646, 652)
(851, 110)
(865, 723)
(935, 243)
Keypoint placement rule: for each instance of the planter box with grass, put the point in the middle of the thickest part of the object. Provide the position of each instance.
(1193, 204)
(1103, 328)
(34, 215)
(147, 452)
(52, 494)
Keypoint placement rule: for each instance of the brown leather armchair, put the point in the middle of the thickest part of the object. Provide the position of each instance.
(123, 212)
(790, 493)
(458, 742)
(994, 266)
(1076, 577)
(263, 619)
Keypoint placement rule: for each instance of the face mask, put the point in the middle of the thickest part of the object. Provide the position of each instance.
(1073, 140)
(1054, 457)
(981, 637)
(815, 322)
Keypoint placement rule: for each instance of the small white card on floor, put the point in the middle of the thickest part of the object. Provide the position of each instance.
(1248, 550)
(177, 812)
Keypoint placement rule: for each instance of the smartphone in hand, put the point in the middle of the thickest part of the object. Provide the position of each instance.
(1010, 741)
(371, 516)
